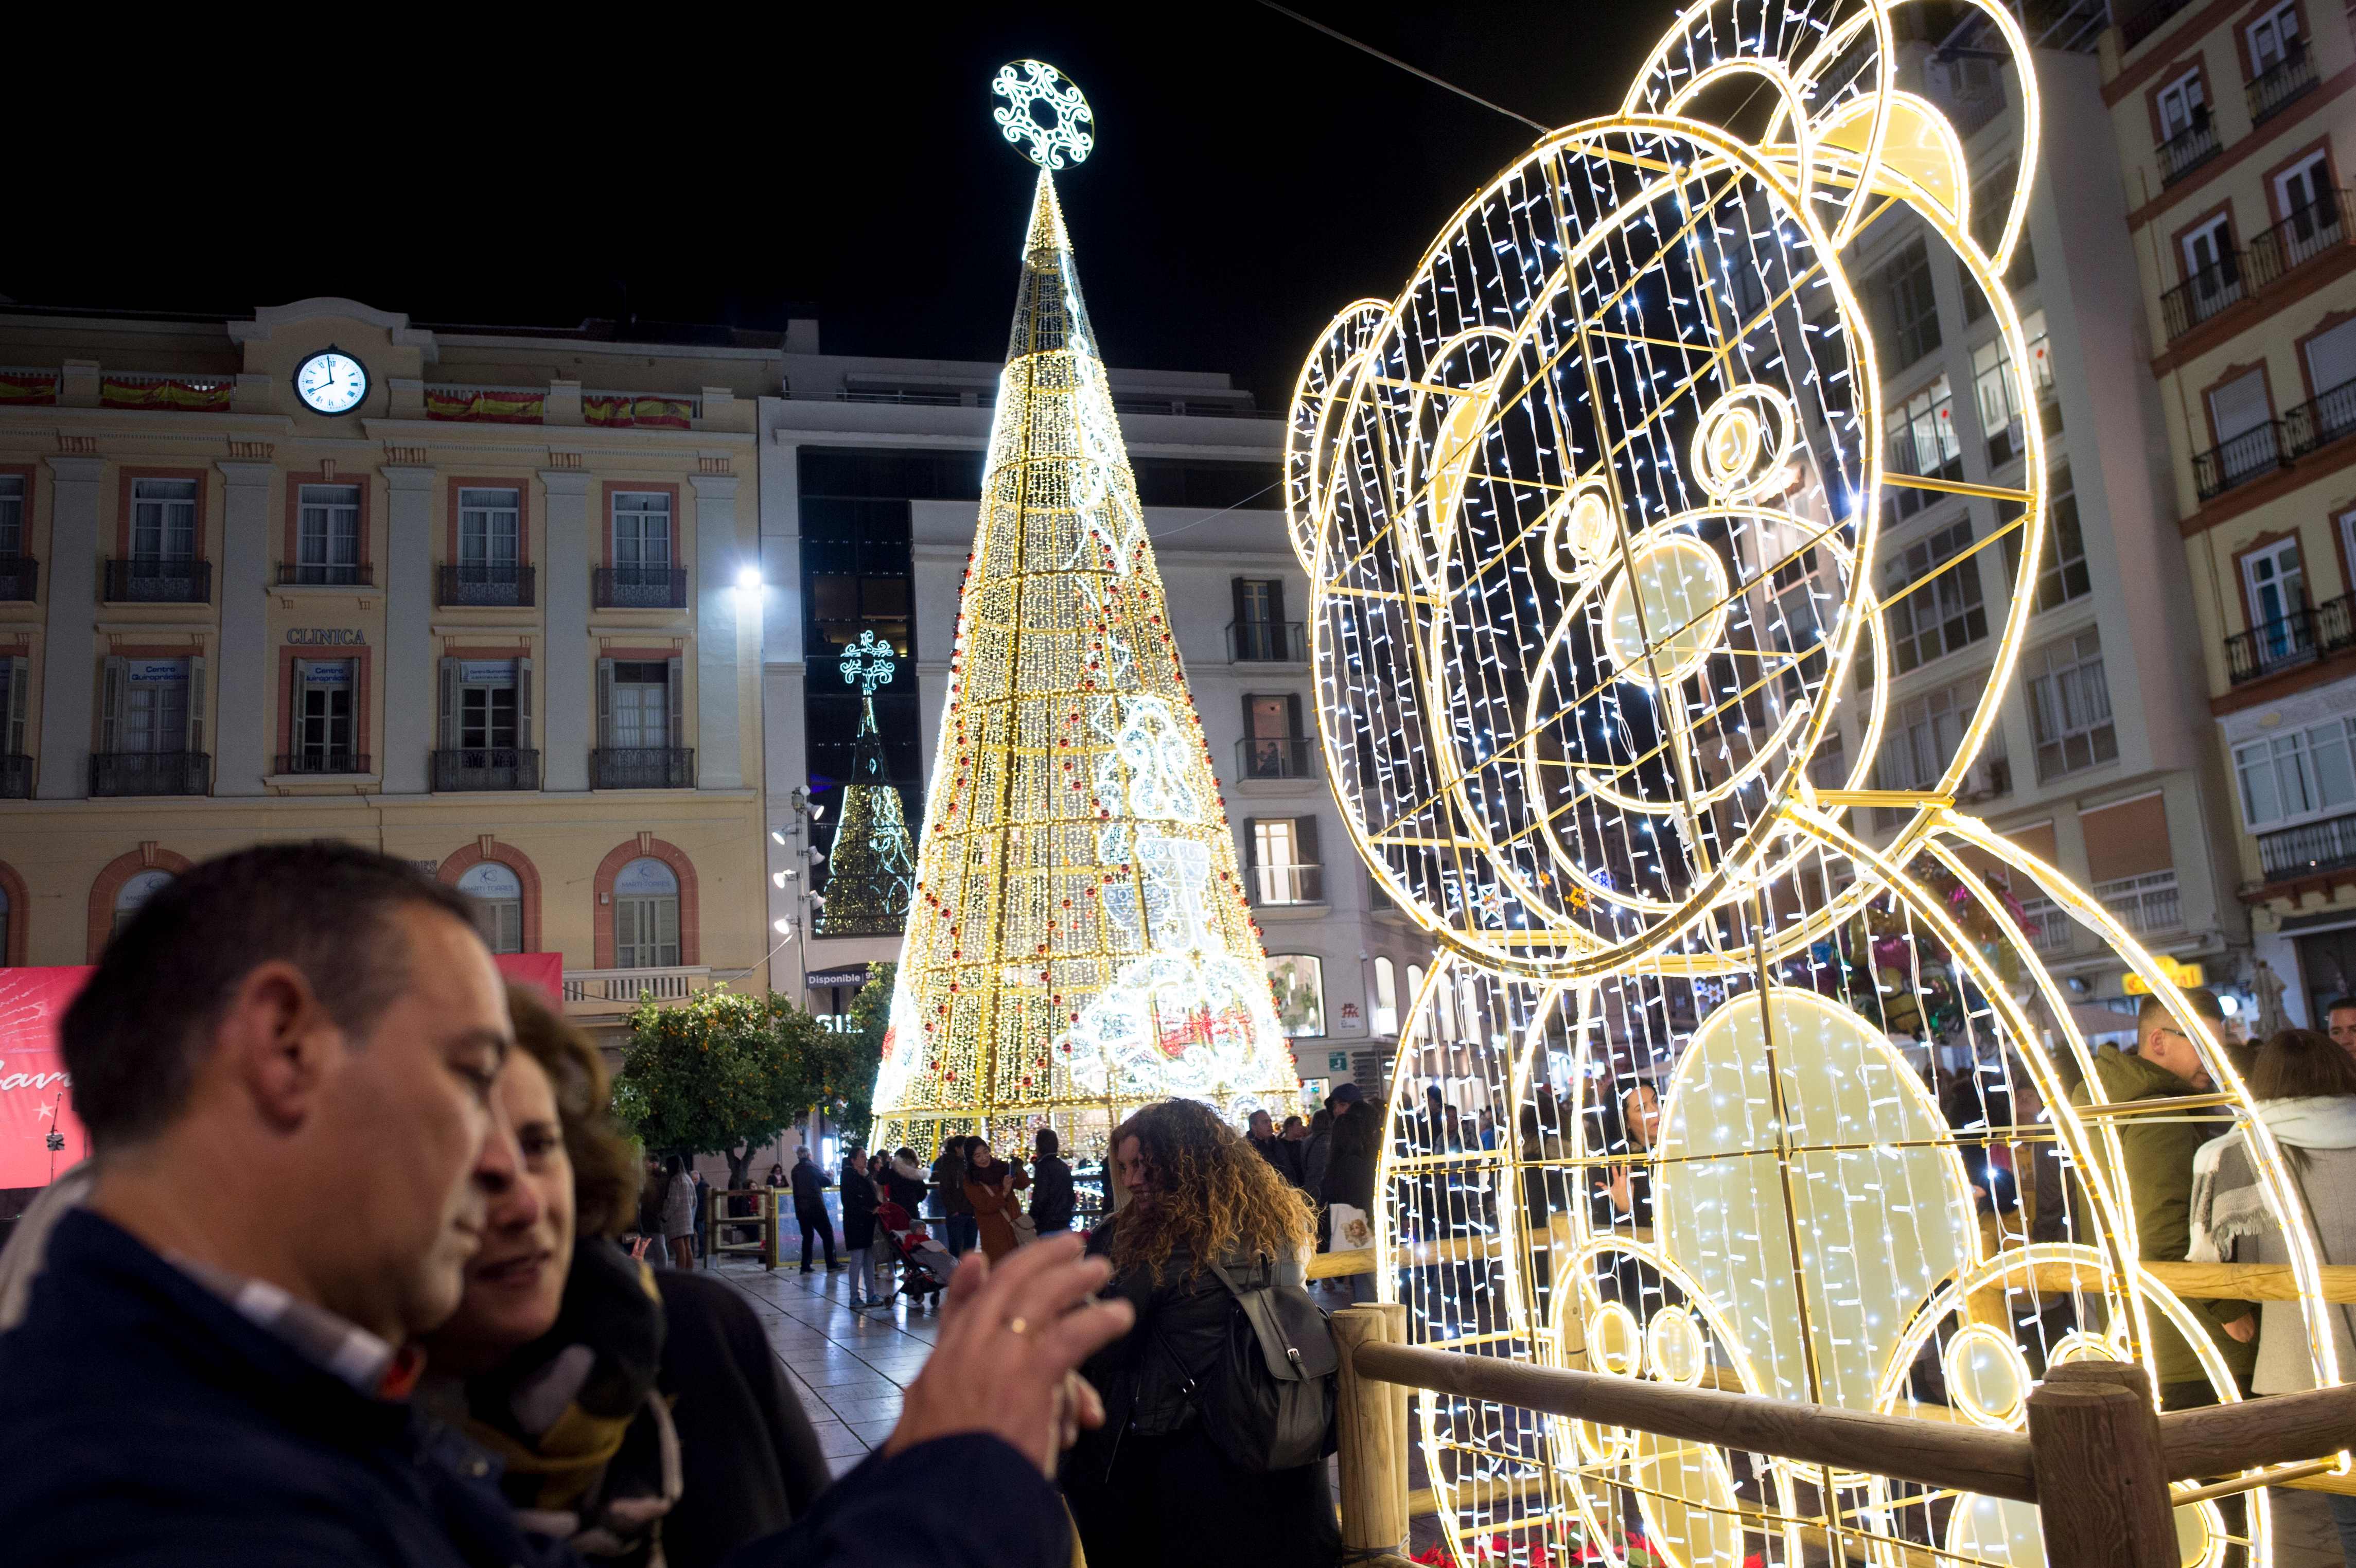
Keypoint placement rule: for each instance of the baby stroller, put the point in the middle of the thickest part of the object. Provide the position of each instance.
(925, 1265)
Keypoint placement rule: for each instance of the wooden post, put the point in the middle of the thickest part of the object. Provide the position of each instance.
(769, 1229)
(2094, 1445)
(1374, 1494)
(1402, 1439)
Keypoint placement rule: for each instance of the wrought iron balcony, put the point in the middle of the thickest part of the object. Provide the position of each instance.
(2309, 633)
(2311, 847)
(158, 579)
(1267, 642)
(15, 776)
(2203, 294)
(149, 773)
(1274, 757)
(2273, 89)
(485, 767)
(322, 760)
(2189, 148)
(640, 588)
(2143, 905)
(487, 582)
(2253, 454)
(1287, 884)
(319, 573)
(20, 579)
(642, 767)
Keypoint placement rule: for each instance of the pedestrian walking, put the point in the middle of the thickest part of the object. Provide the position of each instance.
(859, 1199)
(809, 1208)
(1159, 1486)
(990, 1188)
(951, 1205)
(1051, 1184)
(679, 1212)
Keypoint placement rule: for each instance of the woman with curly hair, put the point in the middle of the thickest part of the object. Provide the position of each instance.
(1152, 1486)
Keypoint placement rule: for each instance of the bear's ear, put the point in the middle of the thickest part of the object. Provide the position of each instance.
(1328, 378)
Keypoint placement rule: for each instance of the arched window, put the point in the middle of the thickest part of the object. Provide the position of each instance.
(1443, 1011)
(7, 912)
(646, 916)
(1414, 986)
(1468, 1000)
(137, 890)
(1298, 981)
(498, 894)
(1385, 996)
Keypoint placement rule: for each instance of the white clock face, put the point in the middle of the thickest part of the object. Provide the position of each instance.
(331, 382)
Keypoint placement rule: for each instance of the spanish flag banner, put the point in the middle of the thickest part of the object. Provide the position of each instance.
(20, 391)
(652, 413)
(198, 396)
(486, 406)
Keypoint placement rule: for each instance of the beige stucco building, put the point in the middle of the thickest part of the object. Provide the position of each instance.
(501, 617)
(2230, 121)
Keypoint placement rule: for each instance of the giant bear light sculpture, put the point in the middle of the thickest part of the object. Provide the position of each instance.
(1593, 517)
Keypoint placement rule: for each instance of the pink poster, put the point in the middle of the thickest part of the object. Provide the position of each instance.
(544, 971)
(34, 1099)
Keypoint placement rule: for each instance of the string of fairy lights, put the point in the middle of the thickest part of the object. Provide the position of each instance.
(1754, 1078)
(1079, 941)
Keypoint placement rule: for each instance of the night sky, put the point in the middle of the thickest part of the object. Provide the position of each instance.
(1251, 175)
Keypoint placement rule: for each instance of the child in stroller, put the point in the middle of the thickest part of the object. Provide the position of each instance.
(925, 1265)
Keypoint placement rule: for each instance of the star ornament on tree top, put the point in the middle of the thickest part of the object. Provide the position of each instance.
(868, 664)
(1044, 114)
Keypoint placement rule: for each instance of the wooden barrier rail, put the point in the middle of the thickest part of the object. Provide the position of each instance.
(764, 1219)
(2094, 1437)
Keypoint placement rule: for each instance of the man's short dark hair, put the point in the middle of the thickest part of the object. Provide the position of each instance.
(132, 1038)
(1046, 1141)
(2339, 1005)
(2205, 1007)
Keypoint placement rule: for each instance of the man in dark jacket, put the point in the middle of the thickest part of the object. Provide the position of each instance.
(950, 1204)
(211, 1365)
(809, 1207)
(1284, 1157)
(1051, 1184)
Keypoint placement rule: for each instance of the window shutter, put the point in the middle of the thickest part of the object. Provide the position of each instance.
(197, 703)
(1292, 715)
(1304, 841)
(666, 925)
(1249, 734)
(1276, 603)
(1237, 584)
(109, 707)
(1251, 843)
(605, 704)
(523, 703)
(19, 685)
(678, 703)
(451, 703)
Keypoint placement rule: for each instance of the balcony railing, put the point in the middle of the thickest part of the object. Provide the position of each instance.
(319, 573)
(149, 773)
(1287, 884)
(2203, 294)
(1274, 757)
(2312, 847)
(598, 990)
(491, 582)
(2189, 148)
(2143, 905)
(15, 776)
(1267, 642)
(2140, 25)
(642, 767)
(485, 767)
(20, 579)
(2304, 428)
(2011, 439)
(640, 588)
(322, 761)
(2272, 253)
(2273, 89)
(2305, 635)
(2056, 932)
(158, 580)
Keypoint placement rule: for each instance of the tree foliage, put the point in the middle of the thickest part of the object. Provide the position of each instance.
(725, 1074)
(870, 1015)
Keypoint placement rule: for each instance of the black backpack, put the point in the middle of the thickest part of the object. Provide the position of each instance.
(1268, 1400)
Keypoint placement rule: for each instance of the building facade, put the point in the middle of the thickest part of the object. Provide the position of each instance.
(871, 471)
(2228, 119)
(489, 617)
(2099, 762)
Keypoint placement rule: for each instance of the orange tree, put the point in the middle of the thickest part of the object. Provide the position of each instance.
(725, 1074)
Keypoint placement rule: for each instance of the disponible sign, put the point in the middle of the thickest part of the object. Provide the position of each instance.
(34, 1098)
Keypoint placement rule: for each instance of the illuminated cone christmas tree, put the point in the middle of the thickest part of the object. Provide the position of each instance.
(872, 868)
(1079, 943)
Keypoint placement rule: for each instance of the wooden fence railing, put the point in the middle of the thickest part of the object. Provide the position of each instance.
(762, 1220)
(2094, 1437)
